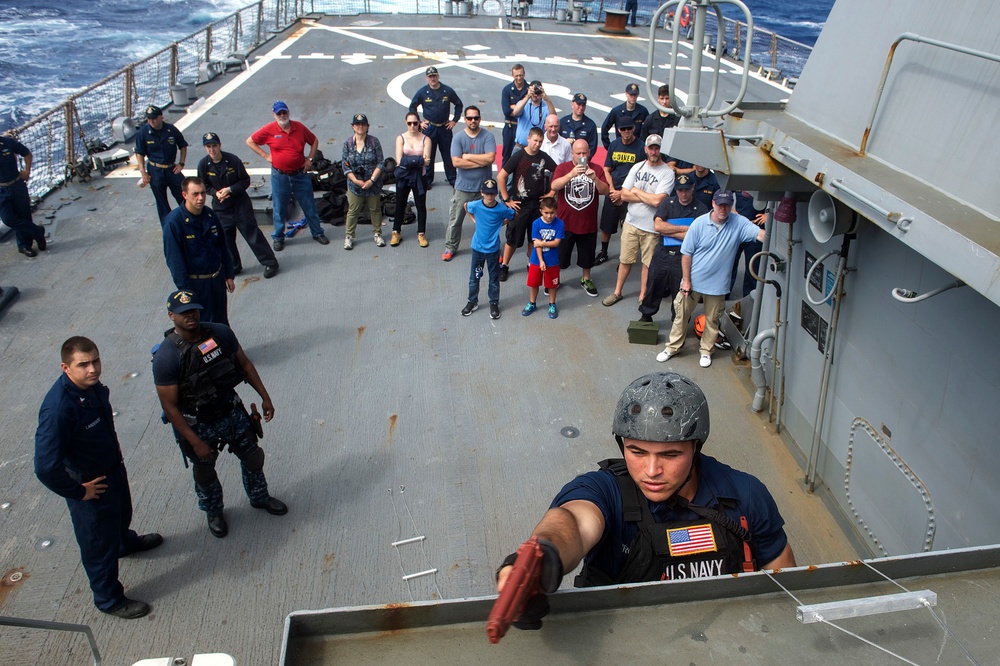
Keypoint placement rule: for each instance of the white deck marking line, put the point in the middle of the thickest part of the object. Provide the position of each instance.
(395, 87)
(317, 56)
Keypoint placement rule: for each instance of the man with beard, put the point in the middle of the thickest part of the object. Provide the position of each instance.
(646, 186)
(579, 184)
(286, 139)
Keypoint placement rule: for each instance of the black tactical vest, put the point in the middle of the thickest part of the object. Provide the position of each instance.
(208, 374)
(711, 545)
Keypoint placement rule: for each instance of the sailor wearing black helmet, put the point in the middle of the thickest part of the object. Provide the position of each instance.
(666, 511)
(156, 146)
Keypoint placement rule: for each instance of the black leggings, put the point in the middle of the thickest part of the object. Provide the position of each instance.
(402, 195)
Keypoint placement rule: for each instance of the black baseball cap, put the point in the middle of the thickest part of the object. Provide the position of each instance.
(210, 137)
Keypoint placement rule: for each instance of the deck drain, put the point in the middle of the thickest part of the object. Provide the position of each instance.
(569, 432)
(44, 543)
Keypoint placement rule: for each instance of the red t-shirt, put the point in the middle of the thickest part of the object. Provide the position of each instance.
(286, 147)
(578, 200)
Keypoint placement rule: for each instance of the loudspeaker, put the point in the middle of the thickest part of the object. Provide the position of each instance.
(828, 217)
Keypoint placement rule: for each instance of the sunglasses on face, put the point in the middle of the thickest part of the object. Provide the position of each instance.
(472, 117)
(412, 122)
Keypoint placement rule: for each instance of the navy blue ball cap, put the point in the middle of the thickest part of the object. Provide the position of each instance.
(580, 98)
(153, 111)
(489, 187)
(210, 137)
(182, 301)
(359, 119)
(632, 89)
(683, 182)
(723, 198)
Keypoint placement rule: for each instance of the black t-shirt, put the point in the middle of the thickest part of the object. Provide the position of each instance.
(528, 171)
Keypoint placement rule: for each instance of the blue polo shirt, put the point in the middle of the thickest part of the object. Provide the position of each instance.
(712, 248)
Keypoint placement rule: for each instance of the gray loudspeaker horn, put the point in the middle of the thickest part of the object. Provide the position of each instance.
(828, 217)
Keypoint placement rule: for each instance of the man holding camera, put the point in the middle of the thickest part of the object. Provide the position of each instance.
(530, 112)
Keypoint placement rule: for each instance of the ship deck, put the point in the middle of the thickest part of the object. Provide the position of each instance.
(396, 416)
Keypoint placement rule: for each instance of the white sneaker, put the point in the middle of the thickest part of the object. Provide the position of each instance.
(379, 241)
(348, 243)
(665, 356)
(705, 361)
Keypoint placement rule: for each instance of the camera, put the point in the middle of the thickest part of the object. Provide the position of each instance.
(536, 90)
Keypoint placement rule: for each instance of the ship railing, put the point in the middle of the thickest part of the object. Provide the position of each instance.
(62, 138)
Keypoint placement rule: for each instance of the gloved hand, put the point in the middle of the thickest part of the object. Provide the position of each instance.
(549, 578)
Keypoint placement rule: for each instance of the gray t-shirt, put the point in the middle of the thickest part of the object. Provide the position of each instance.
(471, 180)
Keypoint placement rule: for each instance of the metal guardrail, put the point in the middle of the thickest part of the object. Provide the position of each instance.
(55, 626)
(58, 138)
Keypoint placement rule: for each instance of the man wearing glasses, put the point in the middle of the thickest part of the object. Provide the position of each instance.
(436, 98)
(286, 139)
(472, 152)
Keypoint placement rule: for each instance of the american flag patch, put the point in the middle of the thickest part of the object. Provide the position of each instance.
(691, 540)
(207, 346)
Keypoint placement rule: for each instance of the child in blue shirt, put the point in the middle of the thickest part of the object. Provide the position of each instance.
(489, 216)
(543, 263)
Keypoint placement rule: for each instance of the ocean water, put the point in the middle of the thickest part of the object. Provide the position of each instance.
(50, 49)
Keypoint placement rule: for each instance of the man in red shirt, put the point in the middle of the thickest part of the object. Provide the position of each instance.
(578, 184)
(286, 139)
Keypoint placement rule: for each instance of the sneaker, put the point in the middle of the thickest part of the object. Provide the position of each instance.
(448, 254)
(396, 239)
(422, 240)
(665, 356)
(601, 257)
(494, 310)
(611, 299)
(588, 286)
(348, 243)
(469, 308)
(379, 241)
(322, 239)
(553, 311)
(278, 244)
(705, 361)
(528, 309)
(504, 272)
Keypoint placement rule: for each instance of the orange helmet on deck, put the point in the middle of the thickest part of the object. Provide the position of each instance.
(699, 325)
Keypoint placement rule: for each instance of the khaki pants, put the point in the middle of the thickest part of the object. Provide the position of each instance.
(354, 204)
(684, 305)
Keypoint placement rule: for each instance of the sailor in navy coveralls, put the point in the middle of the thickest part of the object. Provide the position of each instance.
(77, 456)
(195, 248)
(15, 202)
(435, 98)
(156, 146)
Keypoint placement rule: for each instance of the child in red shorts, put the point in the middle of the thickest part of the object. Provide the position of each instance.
(543, 264)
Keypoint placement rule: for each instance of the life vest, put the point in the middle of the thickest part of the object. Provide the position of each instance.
(208, 373)
(711, 545)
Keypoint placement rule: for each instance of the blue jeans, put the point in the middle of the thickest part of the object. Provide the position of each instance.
(15, 211)
(282, 187)
(440, 137)
(492, 261)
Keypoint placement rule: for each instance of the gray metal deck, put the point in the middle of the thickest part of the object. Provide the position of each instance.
(379, 384)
